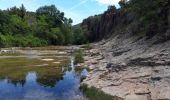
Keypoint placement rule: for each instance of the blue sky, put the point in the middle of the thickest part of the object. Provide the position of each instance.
(75, 9)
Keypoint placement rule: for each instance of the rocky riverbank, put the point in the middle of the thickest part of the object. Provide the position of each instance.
(132, 68)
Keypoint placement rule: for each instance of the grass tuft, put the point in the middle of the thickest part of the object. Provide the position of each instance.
(93, 93)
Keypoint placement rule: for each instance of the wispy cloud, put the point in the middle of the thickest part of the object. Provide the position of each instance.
(71, 12)
(108, 2)
(79, 4)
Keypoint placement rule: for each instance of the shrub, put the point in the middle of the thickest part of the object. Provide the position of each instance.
(79, 57)
(93, 93)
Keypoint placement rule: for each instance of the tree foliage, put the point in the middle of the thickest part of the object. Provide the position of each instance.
(46, 26)
(79, 36)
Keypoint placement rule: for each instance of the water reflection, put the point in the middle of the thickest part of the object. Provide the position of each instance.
(17, 82)
(42, 84)
(47, 78)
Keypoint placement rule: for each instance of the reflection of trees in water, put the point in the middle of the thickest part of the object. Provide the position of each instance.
(19, 79)
(49, 77)
(46, 77)
(17, 82)
(48, 80)
(16, 74)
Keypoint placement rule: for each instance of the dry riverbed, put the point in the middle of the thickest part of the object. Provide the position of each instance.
(131, 71)
(128, 70)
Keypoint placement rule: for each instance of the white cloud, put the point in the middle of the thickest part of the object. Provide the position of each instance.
(108, 2)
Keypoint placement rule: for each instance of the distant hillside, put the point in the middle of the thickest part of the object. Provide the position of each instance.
(146, 18)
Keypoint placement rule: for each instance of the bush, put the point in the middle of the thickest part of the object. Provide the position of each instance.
(79, 36)
(21, 41)
(79, 57)
(95, 94)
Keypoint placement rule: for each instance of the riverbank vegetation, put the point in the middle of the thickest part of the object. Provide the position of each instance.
(93, 93)
(78, 57)
(46, 26)
(49, 26)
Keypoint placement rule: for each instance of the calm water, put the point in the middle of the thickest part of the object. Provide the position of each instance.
(34, 87)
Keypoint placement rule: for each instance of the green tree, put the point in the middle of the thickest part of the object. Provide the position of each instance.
(57, 37)
(4, 22)
(123, 3)
(47, 25)
(68, 35)
(22, 11)
(18, 25)
(52, 13)
(79, 36)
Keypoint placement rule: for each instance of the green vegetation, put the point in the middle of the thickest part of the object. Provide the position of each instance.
(49, 26)
(90, 26)
(87, 46)
(145, 18)
(79, 57)
(95, 94)
(46, 26)
(147, 15)
(79, 36)
(16, 69)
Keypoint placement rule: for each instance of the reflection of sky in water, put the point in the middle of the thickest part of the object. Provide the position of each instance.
(66, 89)
(84, 72)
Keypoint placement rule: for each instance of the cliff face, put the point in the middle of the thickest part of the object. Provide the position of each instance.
(146, 18)
(133, 62)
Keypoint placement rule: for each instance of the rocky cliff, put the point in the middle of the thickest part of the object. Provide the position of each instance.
(146, 18)
(131, 68)
(133, 61)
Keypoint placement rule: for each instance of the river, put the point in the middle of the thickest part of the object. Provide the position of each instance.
(39, 79)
